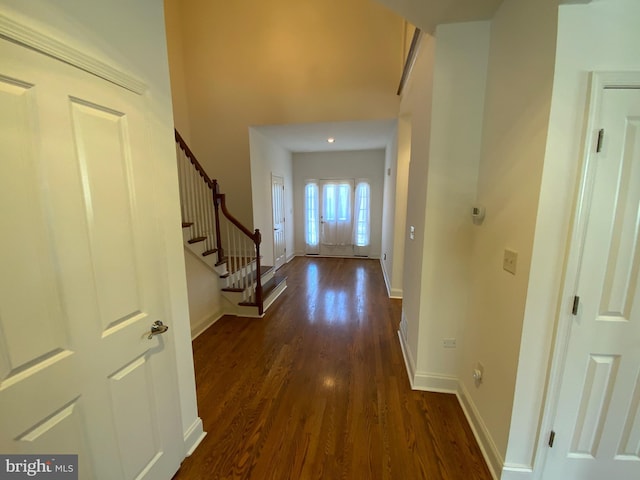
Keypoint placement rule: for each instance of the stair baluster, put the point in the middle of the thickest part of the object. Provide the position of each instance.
(201, 205)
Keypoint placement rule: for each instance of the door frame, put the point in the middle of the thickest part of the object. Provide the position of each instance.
(87, 56)
(350, 247)
(598, 82)
(273, 225)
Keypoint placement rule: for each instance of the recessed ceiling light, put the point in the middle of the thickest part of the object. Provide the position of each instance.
(331, 139)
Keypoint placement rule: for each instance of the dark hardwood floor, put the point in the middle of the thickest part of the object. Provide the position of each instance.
(317, 389)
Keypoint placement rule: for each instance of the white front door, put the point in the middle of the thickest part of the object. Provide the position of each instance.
(597, 423)
(336, 217)
(81, 275)
(279, 237)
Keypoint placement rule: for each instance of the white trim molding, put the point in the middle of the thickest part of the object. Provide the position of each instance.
(425, 381)
(19, 33)
(490, 452)
(396, 293)
(194, 436)
(408, 358)
(201, 326)
(433, 382)
(513, 472)
(599, 82)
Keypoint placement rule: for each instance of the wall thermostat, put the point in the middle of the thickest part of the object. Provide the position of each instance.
(477, 214)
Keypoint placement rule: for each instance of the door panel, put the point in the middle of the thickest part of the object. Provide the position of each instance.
(597, 425)
(279, 237)
(104, 163)
(80, 275)
(336, 217)
(29, 297)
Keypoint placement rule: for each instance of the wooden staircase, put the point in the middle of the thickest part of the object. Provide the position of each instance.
(219, 240)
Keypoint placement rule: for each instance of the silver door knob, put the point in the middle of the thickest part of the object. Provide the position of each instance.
(157, 328)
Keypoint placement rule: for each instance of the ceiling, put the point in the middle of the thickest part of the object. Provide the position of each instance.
(427, 14)
(312, 137)
(367, 135)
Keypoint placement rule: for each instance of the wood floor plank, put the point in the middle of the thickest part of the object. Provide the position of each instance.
(317, 390)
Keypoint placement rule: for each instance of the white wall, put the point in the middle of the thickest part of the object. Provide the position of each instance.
(416, 105)
(517, 104)
(330, 165)
(454, 155)
(437, 308)
(396, 180)
(394, 193)
(132, 35)
(403, 158)
(268, 158)
(602, 36)
(203, 289)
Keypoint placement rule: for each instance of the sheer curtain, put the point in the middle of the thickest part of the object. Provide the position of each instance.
(362, 215)
(336, 213)
(311, 217)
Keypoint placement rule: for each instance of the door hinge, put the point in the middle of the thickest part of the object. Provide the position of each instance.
(576, 304)
(600, 139)
(552, 437)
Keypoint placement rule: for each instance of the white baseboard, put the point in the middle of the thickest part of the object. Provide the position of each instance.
(391, 292)
(488, 447)
(396, 293)
(427, 382)
(408, 358)
(202, 325)
(513, 472)
(431, 382)
(193, 436)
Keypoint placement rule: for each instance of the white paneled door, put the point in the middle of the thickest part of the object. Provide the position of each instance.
(81, 275)
(279, 237)
(597, 424)
(336, 217)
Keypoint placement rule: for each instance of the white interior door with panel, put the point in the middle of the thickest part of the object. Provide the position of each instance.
(81, 276)
(597, 421)
(279, 237)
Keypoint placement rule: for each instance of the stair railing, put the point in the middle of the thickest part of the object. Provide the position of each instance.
(236, 246)
(243, 256)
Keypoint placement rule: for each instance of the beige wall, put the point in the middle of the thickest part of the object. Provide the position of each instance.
(269, 158)
(132, 36)
(518, 97)
(205, 301)
(284, 61)
(395, 199)
(353, 164)
(435, 299)
(403, 158)
(173, 22)
(416, 105)
(456, 123)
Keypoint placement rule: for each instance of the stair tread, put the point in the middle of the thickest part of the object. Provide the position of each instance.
(209, 252)
(267, 288)
(186, 224)
(272, 284)
(232, 289)
(197, 239)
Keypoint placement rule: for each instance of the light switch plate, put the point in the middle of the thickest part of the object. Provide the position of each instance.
(510, 261)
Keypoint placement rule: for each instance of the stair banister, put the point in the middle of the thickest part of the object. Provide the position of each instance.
(218, 201)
